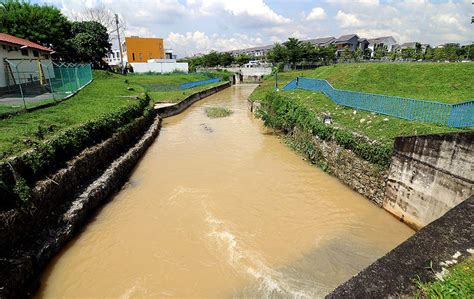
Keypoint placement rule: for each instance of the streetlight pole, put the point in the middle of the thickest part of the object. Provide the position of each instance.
(118, 37)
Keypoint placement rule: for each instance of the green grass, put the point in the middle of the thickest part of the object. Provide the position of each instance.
(107, 93)
(216, 112)
(443, 82)
(458, 283)
(435, 81)
(375, 126)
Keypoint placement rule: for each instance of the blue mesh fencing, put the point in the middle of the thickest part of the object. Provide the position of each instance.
(458, 115)
(197, 83)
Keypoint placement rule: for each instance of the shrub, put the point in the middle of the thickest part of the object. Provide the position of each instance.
(284, 114)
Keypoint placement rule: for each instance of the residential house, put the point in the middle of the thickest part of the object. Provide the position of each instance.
(23, 61)
(256, 52)
(348, 41)
(322, 41)
(387, 42)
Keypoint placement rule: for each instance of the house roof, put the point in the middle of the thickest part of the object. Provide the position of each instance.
(380, 39)
(411, 45)
(322, 40)
(22, 42)
(345, 38)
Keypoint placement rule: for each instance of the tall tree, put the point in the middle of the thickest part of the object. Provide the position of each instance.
(43, 24)
(225, 59)
(90, 42)
(242, 59)
(278, 54)
(106, 17)
(293, 46)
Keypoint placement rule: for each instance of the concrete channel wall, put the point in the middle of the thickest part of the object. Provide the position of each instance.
(171, 110)
(419, 258)
(429, 175)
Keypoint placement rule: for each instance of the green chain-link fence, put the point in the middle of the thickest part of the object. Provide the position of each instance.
(30, 83)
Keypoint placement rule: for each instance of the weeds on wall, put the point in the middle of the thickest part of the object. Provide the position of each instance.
(281, 113)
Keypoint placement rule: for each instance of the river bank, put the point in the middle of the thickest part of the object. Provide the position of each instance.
(61, 202)
(219, 207)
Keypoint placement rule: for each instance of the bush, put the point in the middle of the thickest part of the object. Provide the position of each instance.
(284, 114)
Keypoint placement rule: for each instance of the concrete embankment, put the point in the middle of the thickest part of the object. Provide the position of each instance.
(429, 175)
(62, 202)
(448, 239)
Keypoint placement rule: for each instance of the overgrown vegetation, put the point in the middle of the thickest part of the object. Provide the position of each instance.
(216, 112)
(285, 114)
(458, 283)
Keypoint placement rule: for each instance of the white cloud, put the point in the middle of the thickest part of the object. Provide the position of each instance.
(347, 20)
(195, 42)
(252, 11)
(316, 13)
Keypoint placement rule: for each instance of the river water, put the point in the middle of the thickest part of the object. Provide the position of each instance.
(222, 208)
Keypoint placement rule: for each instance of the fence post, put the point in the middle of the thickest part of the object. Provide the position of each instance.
(50, 84)
(62, 79)
(21, 88)
(77, 77)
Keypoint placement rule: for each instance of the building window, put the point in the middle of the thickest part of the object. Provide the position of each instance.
(133, 56)
(24, 52)
(46, 56)
(140, 55)
(35, 53)
(4, 47)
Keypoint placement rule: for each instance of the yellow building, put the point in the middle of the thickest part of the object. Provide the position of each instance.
(140, 49)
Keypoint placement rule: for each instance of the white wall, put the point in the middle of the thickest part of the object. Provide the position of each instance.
(160, 67)
(29, 70)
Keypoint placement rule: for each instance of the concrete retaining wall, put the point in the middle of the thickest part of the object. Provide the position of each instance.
(184, 104)
(429, 175)
(420, 257)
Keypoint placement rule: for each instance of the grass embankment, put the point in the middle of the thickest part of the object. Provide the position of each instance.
(163, 88)
(458, 283)
(216, 112)
(442, 82)
(108, 93)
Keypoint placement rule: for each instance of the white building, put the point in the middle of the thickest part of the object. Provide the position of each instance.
(23, 61)
(385, 41)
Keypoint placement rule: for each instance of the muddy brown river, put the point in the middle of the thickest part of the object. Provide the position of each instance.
(221, 208)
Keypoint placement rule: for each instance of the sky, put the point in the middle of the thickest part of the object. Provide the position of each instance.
(198, 26)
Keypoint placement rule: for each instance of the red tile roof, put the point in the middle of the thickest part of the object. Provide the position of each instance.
(22, 42)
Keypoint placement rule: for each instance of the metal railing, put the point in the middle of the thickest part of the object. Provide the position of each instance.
(30, 83)
(458, 115)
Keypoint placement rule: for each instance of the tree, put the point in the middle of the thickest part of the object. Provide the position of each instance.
(367, 54)
(327, 53)
(408, 53)
(357, 54)
(90, 42)
(106, 17)
(438, 54)
(211, 59)
(418, 51)
(278, 54)
(293, 47)
(346, 55)
(242, 59)
(380, 52)
(225, 59)
(428, 55)
(42, 24)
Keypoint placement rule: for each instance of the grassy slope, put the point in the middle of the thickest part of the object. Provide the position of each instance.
(442, 82)
(107, 93)
(417, 80)
(458, 283)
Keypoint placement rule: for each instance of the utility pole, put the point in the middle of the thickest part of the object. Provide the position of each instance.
(118, 37)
